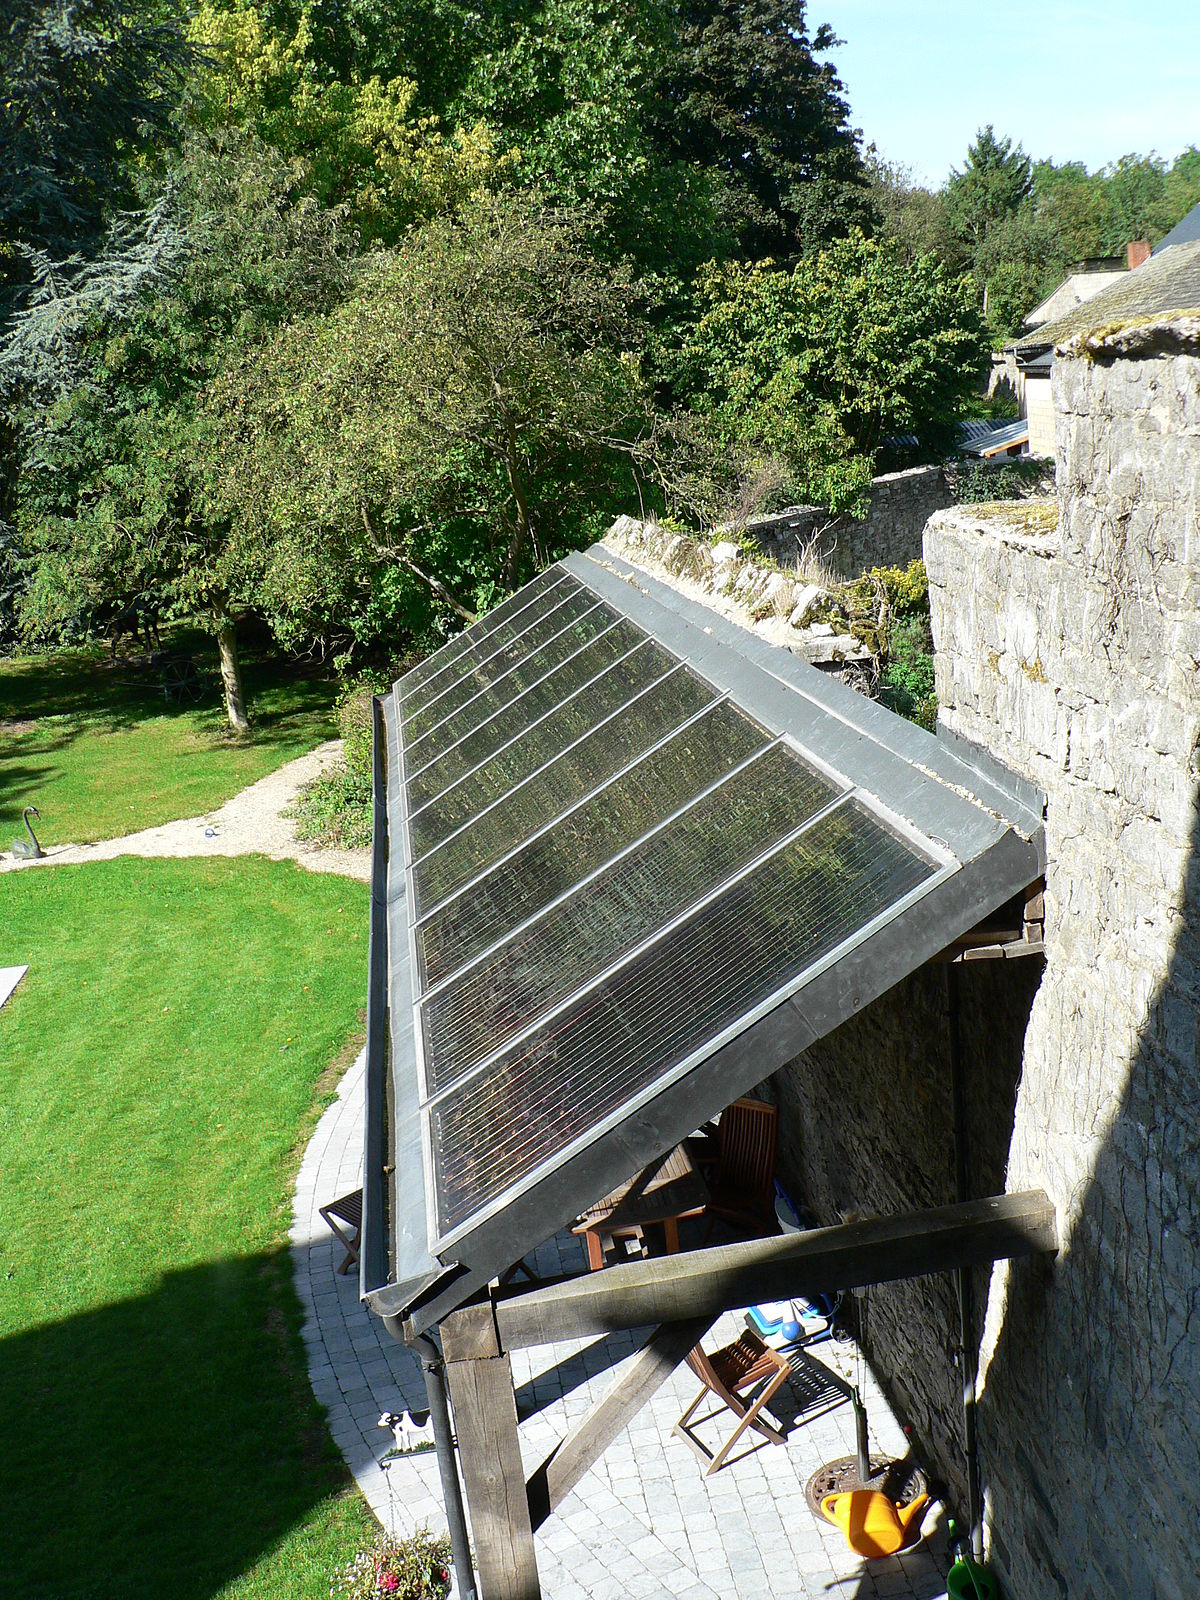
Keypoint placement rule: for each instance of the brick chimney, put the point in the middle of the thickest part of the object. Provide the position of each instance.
(1136, 252)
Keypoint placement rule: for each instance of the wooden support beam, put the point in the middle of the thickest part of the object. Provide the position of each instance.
(485, 1419)
(704, 1283)
(614, 1410)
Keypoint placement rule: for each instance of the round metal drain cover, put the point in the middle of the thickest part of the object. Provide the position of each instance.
(901, 1481)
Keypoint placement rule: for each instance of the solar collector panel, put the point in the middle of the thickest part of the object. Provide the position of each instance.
(551, 639)
(590, 833)
(519, 721)
(651, 713)
(617, 1039)
(431, 677)
(474, 1015)
(538, 745)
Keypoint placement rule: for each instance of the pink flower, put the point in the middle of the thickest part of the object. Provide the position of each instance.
(388, 1582)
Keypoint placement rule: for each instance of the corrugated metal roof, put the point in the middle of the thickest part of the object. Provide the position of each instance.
(637, 860)
(1167, 282)
(997, 439)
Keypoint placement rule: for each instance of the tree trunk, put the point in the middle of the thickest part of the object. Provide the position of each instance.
(522, 530)
(231, 675)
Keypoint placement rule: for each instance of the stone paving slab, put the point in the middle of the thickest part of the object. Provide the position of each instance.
(644, 1521)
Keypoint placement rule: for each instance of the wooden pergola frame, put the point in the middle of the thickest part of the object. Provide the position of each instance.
(682, 1296)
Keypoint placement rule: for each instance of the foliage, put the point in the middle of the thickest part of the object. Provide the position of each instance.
(362, 141)
(416, 1568)
(905, 588)
(1021, 239)
(168, 1088)
(106, 505)
(908, 212)
(94, 745)
(743, 93)
(86, 85)
(994, 181)
(336, 809)
(906, 685)
(818, 366)
(979, 481)
(698, 127)
(465, 416)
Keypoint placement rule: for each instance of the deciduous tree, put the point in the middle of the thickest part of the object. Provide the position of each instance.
(818, 366)
(465, 417)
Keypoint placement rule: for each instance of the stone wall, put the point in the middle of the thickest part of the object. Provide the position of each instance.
(889, 535)
(1070, 648)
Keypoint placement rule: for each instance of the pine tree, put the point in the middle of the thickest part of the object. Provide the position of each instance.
(994, 181)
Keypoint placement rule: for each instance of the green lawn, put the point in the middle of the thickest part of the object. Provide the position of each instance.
(160, 1068)
(93, 744)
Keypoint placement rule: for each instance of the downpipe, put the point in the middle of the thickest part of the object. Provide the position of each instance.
(433, 1367)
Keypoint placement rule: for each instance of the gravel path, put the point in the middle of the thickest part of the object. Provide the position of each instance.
(249, 824)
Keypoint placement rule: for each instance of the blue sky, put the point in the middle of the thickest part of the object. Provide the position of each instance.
(1068, 81)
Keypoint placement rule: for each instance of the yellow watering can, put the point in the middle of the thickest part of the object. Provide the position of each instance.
(875, 1525)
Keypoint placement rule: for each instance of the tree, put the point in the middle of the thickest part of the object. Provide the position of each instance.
(744, 94)
(86, 88)
(465, 417)
(87, 85)
(817, 367)
(908, 212)
(992, 185)
(107, 506)
(363, 142)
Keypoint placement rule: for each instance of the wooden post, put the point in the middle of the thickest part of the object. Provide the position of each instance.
(485, 1417)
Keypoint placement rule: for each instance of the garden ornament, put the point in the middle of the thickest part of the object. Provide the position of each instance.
(28, 849)
(407, 1432)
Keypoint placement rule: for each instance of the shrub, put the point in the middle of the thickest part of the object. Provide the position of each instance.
(906, 685)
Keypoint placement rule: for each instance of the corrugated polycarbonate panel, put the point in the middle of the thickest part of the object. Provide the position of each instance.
(558, 632)
(509, 619)
(672, 999)
(722, 831)
(537, 745)
(520, 722)
(628, 806)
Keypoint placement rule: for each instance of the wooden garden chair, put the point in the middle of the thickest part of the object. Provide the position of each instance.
(741, 1181)
(732, 1374)
(344, 1217)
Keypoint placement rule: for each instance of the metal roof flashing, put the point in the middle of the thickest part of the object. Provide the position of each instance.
(939, 836)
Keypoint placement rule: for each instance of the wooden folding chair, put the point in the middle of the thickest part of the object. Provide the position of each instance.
(347, 1211)
(742, 1180)
(742, 1366)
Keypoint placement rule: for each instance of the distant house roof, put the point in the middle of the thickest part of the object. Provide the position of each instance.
(1072, 292)
(1185, 232)
(1168, 282)
(994, 441)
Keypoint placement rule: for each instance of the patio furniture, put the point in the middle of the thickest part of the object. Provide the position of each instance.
(744, 1365)
(742, 1176)
(668, 1188)
(343, 1216)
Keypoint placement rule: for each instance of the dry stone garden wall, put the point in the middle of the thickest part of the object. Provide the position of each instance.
(888, 536)
(1070, 648)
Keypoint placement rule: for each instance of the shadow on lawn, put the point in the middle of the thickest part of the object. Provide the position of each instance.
(157, 1447)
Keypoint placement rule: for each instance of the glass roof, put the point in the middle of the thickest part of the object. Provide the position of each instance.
(611, 865)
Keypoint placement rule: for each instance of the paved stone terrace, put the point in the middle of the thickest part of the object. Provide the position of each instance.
(644, 1521)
